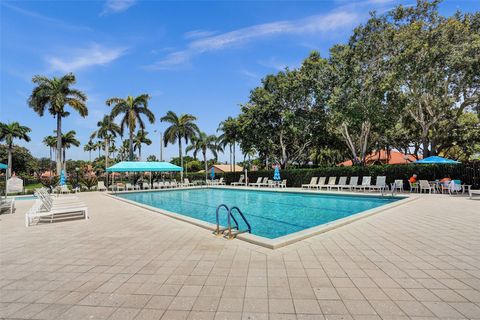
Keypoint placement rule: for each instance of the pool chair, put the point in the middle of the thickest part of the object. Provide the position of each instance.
(397, 185)
(187, 183)
(145, 186)
(265, 182)
(256, 184)
(413, 186)
(155, 185)
(64, 189)
(7, 205)
(221, 182)
(425, 186)
(342, 182)
(313, 183)
(101, 186)
(331, 183)
(351, 184)
(454, 186)
(240, 181)
(366, 182)
(128, 186)
(380, 184)
(283, 184)
(472, 193)
(320, 183)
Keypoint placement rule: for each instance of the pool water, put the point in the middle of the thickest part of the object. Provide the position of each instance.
(271, 214)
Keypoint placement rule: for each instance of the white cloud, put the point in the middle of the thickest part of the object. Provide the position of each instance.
(116, 6)
(310, 25)
(195, 34)
(82, 58)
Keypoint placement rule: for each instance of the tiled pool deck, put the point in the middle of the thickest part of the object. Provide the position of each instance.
(420, 260)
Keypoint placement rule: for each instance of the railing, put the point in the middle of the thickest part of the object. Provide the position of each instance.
(229, 230)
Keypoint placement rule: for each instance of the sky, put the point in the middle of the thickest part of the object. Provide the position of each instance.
(197, 57)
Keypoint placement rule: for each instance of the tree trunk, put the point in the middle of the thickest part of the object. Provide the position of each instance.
(65, 160)
(89, 155)
(130, 145)
(59, 144)
(9, 172)
(205, 161)
(181, 157)
(231, 157)
(106, 160)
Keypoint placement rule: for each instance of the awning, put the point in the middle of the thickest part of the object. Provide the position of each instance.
(436, 160)
(3, 166)
(132, 166)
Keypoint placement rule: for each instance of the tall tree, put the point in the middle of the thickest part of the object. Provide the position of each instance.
(68, 140)
(181, 127)
(141, 138)
(107, 130)
(51, 143)
(230, 136)
(132, 109)
(203, 143)
(53, 95)
(89, 147)
(9, 132)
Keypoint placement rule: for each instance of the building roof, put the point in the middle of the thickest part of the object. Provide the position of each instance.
(226, 168)
(394, 157)
(139, 166)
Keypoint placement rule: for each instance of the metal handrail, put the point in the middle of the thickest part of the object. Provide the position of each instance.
(218, 230)
(243, 217)
(230, 217)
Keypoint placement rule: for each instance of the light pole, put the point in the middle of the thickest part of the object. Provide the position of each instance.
(161, 145)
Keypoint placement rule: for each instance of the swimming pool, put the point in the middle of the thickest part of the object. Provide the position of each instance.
(271, 214)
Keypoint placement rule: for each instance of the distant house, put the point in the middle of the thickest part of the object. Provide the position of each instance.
(382, 157)
(223, 168)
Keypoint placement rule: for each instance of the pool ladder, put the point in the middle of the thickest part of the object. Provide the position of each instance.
(231, 231)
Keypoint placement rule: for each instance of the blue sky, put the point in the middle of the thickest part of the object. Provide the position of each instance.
(198, 57)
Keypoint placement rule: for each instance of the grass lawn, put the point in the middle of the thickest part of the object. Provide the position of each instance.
(33, 186)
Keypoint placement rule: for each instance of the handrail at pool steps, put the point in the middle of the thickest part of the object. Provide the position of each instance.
(228, 231)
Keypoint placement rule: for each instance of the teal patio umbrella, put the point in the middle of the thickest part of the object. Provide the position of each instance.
(276, 174)
(62, 178)
(436, 160)
(212, 173)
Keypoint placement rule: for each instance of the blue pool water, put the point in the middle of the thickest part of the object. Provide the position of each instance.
(270, 214)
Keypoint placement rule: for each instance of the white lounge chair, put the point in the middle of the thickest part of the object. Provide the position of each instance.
(397, 185)
(64, 189)
(366, 182)
(283, 184)
(331, 182)
(472, 193)
(424, 185)
(351, 184)
(187, 183)
(320, 183)
(101, 186)
(414, 187)
(342, 182)
(128, 186)
(313, 183)
(240, 181)
(380, 184)
(256, 184)
(221, 182)
(265, 182)
(7, 205)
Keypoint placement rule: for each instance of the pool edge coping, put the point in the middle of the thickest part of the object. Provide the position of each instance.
(262, 241)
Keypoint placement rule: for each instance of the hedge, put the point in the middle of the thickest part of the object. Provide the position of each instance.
(468, 173)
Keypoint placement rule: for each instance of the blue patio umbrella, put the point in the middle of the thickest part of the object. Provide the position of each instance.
(436, 160)
(4, 167)
(276, 174)
(212, 173)
(62, 178)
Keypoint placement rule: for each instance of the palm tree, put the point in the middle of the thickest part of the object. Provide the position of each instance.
(132, 108)
(9, 132)
(107, 130)
(51, 143)
(229, 136)
(54, 94)
(139, 139)
(203, 143)
(89, 147)
(98, 146)
(182, 127)
(68, 140)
